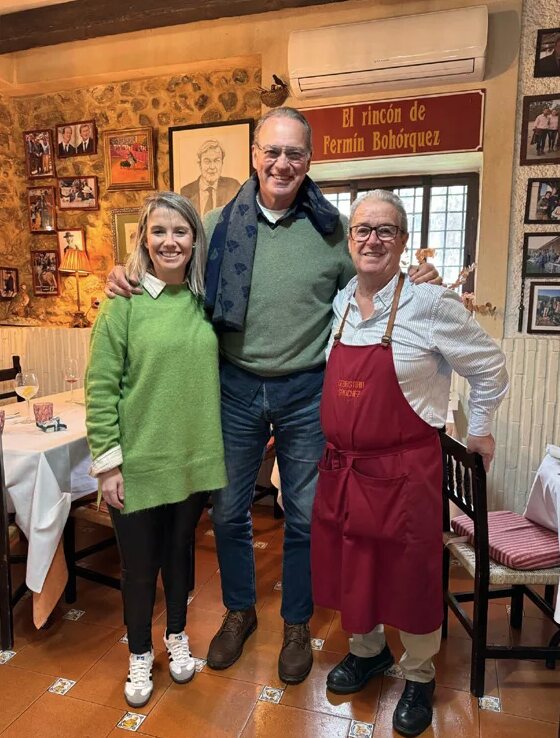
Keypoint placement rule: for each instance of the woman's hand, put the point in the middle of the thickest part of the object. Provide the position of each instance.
(118, 284)
(484, 445)
(112, 488)
(425, 272)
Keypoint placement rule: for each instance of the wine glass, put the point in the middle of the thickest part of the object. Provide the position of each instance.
(27, 386)
(71, 375)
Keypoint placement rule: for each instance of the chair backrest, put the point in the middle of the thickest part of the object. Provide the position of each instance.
(7, 375)
(464, 484)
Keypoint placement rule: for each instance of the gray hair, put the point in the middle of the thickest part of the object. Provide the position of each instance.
(211, 143)
(383, 196)
(139, 261)
(291, 113)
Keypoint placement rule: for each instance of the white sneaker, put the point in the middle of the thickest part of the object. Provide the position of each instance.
(139, 685)
(181, 663)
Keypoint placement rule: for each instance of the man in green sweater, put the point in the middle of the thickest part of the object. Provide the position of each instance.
(276, 260)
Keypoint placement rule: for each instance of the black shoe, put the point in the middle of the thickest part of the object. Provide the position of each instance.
(354, 672)
(413, 713)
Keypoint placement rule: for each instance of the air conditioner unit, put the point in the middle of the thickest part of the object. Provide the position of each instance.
(444, 47)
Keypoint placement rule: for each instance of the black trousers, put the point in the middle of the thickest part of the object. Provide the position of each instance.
(160, 538)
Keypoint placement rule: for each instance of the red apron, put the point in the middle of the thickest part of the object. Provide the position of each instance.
(376, 546)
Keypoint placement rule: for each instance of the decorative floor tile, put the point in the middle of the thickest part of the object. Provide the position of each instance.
(394, 671)
(124, 639)
(508, 609)
(317, 644)
(360, 730)
(199, 664)
(260, 544)
(278, 586)
(271, 694)
(190, 599)
(5, 656)
(131, 721)
(209, 532)
(61, 686)
(490, 703)
(73, 614)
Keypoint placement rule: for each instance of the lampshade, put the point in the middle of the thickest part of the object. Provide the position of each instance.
(74, 261)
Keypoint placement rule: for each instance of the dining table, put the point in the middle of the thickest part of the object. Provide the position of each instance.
(543, 504)
(44, 473)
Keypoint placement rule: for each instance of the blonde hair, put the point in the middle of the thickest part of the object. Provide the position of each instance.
(139, 261)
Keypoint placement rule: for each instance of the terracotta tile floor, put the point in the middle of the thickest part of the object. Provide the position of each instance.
(88, 651)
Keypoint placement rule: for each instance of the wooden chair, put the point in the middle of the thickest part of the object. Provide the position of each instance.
(7, 375)
(464, 484)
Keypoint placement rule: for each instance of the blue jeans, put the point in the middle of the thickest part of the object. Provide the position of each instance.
(251, 404)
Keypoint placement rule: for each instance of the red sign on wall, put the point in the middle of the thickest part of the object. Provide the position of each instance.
(409, 126)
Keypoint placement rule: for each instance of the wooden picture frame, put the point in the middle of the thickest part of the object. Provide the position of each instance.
(129, 159)
(9, 282)
(70, 238)
(41, 209)
(212, 155)
(77, 193)
(44, 268)
(538, 144)
(80, 140)
(541, 255)
(543, 200)
(547, 53)
(544, 308)
(39, 153)
(124, 223)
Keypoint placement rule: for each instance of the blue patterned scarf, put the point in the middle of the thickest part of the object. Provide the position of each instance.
(232, 249)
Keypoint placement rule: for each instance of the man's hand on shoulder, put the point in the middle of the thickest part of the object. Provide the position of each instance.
(424, 273)
(118, 284)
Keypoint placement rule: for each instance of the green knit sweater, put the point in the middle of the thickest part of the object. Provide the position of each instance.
(296, 275)
(152, 386)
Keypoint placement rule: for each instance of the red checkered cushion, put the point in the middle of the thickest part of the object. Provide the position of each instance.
(514, 541)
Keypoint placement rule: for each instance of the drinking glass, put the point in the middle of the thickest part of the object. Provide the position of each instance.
(71, 375)
(27, 386)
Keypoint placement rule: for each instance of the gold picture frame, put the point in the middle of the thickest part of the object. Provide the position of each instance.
(129, 159)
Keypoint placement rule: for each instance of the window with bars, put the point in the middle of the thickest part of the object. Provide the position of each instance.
(442, 214)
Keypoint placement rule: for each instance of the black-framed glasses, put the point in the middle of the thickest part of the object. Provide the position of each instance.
(293, 154)
(384, 232)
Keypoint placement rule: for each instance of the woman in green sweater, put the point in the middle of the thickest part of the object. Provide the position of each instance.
(153, 422)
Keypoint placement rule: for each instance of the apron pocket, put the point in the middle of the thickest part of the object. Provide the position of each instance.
(376, 508)
(329, 497)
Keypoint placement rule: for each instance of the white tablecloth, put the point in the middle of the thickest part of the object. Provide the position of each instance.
(543, 505)
(44, 472)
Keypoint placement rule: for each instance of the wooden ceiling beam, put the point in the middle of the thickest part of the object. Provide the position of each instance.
(85, 19)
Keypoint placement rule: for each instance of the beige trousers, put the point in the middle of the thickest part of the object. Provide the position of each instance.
(416, 661)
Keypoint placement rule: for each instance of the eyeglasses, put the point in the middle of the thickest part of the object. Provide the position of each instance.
(384, 232)
(292, 153)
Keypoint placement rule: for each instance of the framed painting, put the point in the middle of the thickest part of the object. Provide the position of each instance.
(124, 226)
(209, 163)
(44, 267)
(539, 129)
(9, 283)
(71, 239)
(39, 157)
(41, 209)
(547, 53)
(129, 159)
(77, 193)
(544, 308)
(543, 201)
(76, 139)
(541, 255)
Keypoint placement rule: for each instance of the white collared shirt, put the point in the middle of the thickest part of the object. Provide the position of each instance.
(433, 335)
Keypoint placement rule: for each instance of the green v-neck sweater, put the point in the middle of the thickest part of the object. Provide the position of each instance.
(152, 387)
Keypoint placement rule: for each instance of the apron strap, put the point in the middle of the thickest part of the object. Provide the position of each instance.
(387, 338)
(338, 334)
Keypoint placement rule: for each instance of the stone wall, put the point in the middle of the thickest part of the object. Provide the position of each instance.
(160, 102)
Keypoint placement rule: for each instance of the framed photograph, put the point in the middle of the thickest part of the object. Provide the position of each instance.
(9, 283)
(77, 193)
(129, 159)
(544, 308)
(541, 255)
(41, 209)
(543, 201)
(44, 266)
(209, 163)
(124, 225)
(73, 238)
(547, 53)
(39, 156)
(76, 139)
(539, 129)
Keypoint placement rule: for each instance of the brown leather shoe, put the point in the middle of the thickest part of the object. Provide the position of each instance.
(296, 657)
(227, 645)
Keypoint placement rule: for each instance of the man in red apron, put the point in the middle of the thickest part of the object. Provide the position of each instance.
(377, 519)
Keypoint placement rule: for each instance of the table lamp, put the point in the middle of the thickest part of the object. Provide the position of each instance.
(77, 262)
